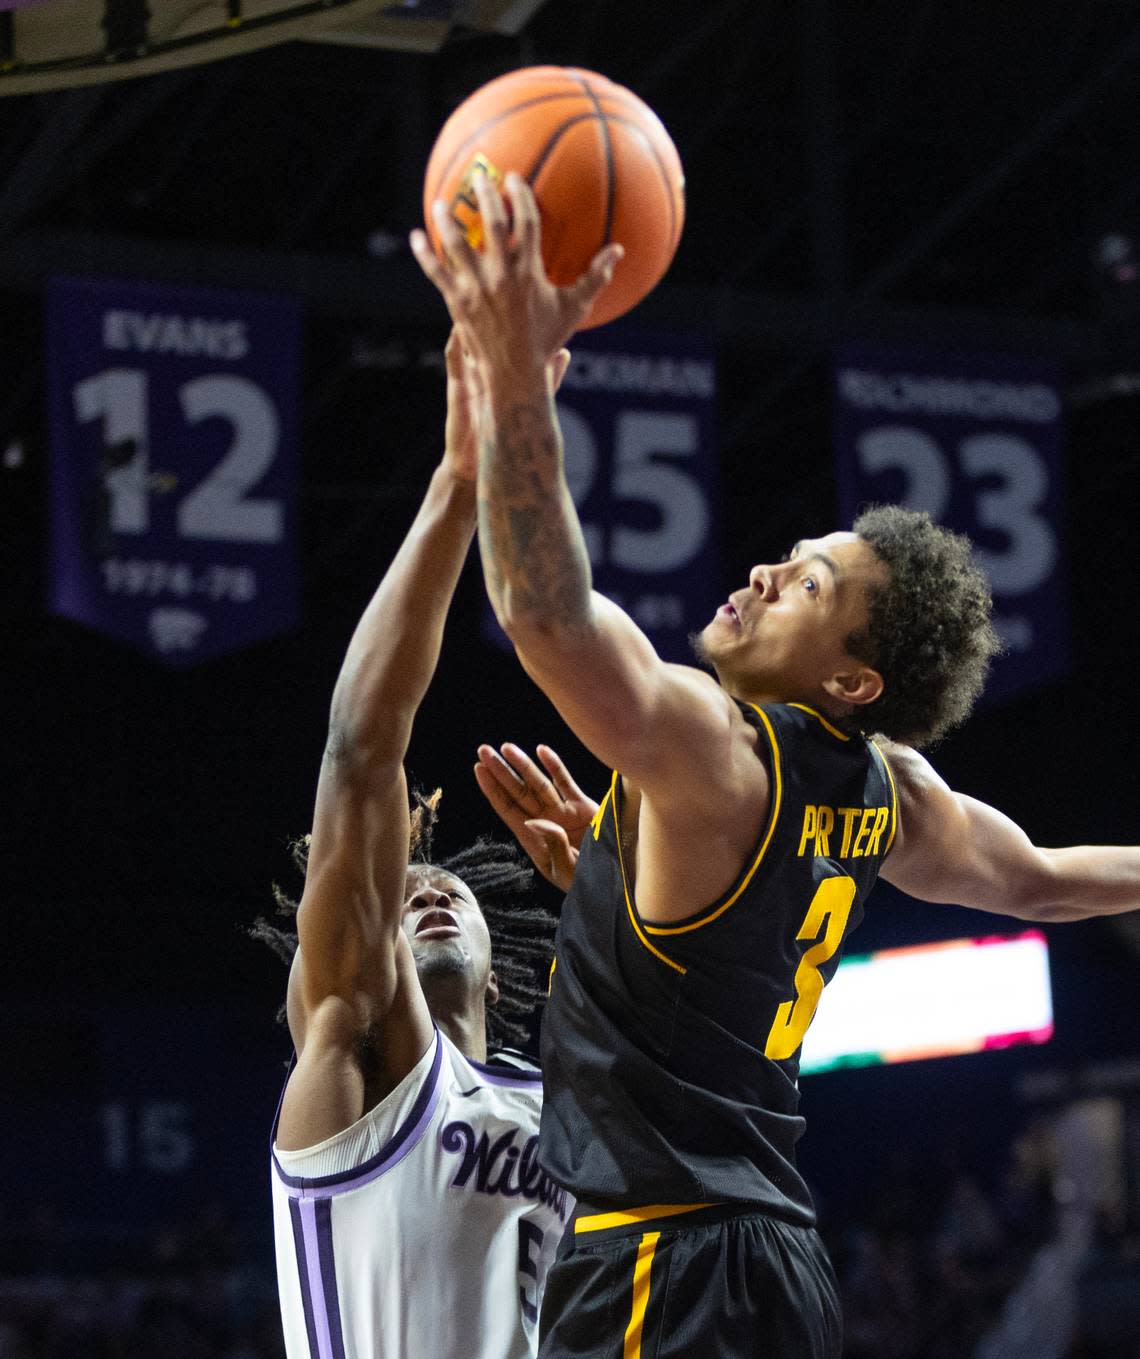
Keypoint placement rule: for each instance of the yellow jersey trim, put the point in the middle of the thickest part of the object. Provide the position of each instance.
(599, 815)
(773, 817)
(611, 798)
(642, 1273)
(819, 717)
(894, 798)
(598, 1222)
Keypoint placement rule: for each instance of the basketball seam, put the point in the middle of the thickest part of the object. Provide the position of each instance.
(608, 148)
(498, 118)
(545, 154)
(610, 90)
(552, 141)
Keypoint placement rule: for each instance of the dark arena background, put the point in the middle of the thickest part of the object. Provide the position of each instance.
(911, 267)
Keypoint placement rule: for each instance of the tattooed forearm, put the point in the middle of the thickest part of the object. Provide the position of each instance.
(534, 557)
(525, 452)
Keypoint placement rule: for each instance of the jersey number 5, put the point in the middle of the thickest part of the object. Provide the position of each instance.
(831, 903)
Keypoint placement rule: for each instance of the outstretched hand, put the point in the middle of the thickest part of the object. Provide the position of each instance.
(547, 812)
(513, 316)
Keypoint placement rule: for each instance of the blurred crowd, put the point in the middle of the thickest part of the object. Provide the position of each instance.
(926, 1259)
(185, 1292)
(934, 1250)
(929, 1264)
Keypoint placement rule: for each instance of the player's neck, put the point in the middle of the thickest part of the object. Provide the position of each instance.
(469, 1036)
(465, 1025)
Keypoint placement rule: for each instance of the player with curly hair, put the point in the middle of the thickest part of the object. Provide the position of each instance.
(410, 1214)
(731, 856)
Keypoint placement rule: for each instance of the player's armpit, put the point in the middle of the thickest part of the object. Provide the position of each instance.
(343, 1062)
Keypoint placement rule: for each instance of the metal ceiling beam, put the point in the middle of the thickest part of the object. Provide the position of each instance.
(77, 42)
(65, 44)
(423, 28)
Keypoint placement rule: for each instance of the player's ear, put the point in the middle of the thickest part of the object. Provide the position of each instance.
(492, 988)
(859, 685)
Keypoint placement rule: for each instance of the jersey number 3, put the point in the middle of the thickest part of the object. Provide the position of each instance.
(831, 903)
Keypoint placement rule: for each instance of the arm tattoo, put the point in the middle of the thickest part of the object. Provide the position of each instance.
(534, 556)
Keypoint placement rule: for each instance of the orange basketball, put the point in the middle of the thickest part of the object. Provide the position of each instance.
(599, 160)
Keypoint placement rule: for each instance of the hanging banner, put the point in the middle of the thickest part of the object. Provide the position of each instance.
(174, 464)
(637, 412)
(977, 443)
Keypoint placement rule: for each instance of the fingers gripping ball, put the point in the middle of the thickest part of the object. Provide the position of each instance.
(599, 160)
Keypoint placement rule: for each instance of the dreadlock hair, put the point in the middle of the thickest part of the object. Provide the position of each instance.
(500, 879)
(929, 628)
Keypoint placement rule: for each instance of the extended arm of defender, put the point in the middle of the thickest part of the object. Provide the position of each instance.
(354, 888)
(953, 848)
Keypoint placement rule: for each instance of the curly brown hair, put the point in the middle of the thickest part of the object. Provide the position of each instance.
(929, 629)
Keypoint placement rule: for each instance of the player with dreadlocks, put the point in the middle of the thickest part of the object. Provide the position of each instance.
(410, 1214)
(521, 932)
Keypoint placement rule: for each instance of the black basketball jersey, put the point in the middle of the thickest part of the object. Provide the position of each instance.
(671, 1052)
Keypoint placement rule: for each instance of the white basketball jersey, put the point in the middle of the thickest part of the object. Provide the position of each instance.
(425, 1230)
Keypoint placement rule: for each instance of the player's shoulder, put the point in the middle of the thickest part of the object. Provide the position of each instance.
(923, 795)
(912, 771)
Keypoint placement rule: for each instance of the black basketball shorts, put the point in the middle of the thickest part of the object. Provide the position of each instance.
(665, 1282)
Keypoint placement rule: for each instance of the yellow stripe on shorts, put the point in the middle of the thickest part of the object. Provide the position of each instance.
(598, 1222)
(641, 1272)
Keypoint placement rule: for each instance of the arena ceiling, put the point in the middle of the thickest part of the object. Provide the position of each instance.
(849, 165)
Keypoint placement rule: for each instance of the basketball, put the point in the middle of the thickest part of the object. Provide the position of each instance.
(599, 160)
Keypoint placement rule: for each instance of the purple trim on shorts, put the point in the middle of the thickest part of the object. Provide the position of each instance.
(303, 1275)
(323, 1209)
(506, 1075)
(391, 1154)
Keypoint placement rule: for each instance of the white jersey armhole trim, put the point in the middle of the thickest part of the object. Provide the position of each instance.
(376, 1141)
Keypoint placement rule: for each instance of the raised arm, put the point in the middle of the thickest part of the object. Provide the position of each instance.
(953, 848)
(632, 710)
(348, 974)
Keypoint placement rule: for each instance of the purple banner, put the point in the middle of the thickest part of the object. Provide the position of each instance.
(637, 414)
(977, 442)
(174, 464)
